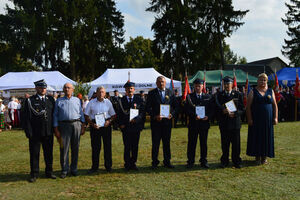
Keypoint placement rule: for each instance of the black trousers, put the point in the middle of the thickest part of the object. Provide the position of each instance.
(131, 146)
(34, 150)
(161, 131)
(233, 137)
(96, 135)
(192, 144)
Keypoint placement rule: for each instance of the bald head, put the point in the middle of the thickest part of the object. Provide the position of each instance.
(68, 89)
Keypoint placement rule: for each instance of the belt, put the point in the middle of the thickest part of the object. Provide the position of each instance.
(70, 121)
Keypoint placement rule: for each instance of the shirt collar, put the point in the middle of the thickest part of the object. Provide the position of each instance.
(129, 97)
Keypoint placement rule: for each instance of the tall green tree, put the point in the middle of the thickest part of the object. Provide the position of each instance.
(291, 49)
(139, 53)
(190, 33)
(79, 38)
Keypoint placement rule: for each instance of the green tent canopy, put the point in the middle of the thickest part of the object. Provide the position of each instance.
(212, 77)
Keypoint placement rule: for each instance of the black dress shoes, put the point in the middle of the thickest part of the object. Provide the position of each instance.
(205, 165)
(74, 173)
(189, 166)
(224, 165)
(169, 165)
(52, 176)
(32, 179)
(92, 171)
(108, 169)
(154, 167)
(63, 175)
(238, 166)
(134, 167)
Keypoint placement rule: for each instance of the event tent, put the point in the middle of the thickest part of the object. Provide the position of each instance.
(212, 77)
(286, 76)
(24, 80)
(144, 79)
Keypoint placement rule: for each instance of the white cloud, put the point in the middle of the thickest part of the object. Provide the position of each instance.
(263, 33)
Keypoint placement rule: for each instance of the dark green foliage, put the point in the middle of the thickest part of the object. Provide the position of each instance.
(81, 88)
(189, 33)
(291, 49)
(139, 53)
(79, 38)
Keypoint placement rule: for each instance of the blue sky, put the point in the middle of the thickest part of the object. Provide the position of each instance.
(262, 35)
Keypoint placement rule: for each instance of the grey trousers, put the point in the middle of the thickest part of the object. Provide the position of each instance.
(70, 134)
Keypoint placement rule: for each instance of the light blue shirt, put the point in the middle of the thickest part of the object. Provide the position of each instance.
(67, 109)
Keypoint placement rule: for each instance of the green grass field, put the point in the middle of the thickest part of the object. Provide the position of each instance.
(280, 179)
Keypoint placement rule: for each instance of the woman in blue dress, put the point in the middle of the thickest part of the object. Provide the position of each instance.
(262, 114)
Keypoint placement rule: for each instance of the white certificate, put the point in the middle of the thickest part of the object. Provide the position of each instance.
(200, 111)
(100, 119)
(164, 110)
(133, 113)
(231, 106)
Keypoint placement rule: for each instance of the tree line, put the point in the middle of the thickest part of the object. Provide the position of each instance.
(82, 39)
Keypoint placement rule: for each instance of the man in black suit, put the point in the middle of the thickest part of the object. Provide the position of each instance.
(198, 125)
(115, 102)
(161, 127)
(230, 123)
(38, 112)
(131, 128)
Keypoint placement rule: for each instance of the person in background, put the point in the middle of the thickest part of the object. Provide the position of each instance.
(115, 102)
(262, 114)
(7, 120)
(85, 102)
(13, 112)
(69, 125)
(38, 115)
(2, 109)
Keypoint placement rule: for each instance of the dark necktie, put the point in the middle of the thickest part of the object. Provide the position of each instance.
(130, 101)
(161, 96)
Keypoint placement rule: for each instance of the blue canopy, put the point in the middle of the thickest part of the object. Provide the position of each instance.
(286, 76)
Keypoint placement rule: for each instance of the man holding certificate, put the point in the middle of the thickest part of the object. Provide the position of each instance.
(230, 108)
(161, 106)
(100, 113)
(131, 120)
(199, 107)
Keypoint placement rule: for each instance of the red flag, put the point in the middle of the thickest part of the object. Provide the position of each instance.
(204, 84)
(276, 89)
(297, 85)
(234, 85)
(187, 89)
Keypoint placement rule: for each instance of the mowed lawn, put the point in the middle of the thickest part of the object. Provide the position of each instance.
(280, 179)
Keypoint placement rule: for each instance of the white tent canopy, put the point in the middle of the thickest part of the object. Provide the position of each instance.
(24, 80)
(144, 79)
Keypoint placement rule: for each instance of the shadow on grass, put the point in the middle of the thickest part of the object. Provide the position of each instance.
(15, 177)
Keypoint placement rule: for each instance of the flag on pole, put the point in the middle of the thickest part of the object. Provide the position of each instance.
(128, 76)
(234, 85)
(187, 89)
(171, 87)
(276, 89)
(204, 83)
(297, 85)
(247, 91)
(221, 82)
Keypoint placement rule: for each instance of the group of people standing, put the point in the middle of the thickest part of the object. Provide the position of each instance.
(67, 120)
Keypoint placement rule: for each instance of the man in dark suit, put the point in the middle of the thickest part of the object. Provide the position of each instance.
(230, 123)
(38, 111)
(115, 102)
(160, 126)
(198, 125)
(131, 128)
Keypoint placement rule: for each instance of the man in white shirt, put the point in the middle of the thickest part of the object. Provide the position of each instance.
(100, 106)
